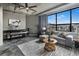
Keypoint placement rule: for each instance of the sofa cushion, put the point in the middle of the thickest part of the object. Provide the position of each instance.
(63, 35)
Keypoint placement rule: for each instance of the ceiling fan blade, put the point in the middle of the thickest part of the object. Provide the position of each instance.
(20, 5)
(26, 4)
(33, 10)
(17, 4)
(22, 8)
(32, 6)
(14, 8)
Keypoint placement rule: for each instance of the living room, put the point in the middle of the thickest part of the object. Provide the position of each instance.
(39, 29)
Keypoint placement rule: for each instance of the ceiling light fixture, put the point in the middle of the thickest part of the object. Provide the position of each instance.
(27, 8)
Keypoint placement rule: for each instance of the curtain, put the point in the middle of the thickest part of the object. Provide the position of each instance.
(42, 21)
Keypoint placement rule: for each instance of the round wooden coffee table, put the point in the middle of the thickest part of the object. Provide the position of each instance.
(50, 45)
(54, 40)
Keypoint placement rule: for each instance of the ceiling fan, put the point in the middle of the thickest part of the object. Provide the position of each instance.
(29, 7)
(17, 5)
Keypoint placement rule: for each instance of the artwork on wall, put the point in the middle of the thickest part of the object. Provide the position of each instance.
(14, 23)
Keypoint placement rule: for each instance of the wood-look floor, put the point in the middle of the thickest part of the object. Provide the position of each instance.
(10, 48)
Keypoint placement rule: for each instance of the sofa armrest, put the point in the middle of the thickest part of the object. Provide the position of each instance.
(69, 37)
(69, 41)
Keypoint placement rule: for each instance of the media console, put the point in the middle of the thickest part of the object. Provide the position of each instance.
(10, 34)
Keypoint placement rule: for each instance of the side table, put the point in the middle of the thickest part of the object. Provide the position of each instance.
(76, 43)
(43, 37)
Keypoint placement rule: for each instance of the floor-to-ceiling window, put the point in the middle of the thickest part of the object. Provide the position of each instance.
(75, 20)
(63, 21)
(52, 21)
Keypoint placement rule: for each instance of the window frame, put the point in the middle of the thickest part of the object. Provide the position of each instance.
(62, 12)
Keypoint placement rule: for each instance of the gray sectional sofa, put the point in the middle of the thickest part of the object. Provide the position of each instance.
(68, 40)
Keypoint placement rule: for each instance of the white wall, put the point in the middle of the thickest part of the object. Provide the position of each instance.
(1, 25)
(32, 23)
(10, 15)
(26, 21)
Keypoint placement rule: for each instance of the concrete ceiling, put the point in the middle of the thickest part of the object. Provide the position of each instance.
(42, 8)
(62, 8)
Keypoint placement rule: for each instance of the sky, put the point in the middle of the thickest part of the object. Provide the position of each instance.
(64, 17)
(75, 16)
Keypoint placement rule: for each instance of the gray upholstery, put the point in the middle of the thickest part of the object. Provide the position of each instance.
(74, 34)
(60, 40)
(68, 41)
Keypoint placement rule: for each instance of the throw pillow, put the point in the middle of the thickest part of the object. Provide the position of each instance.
(63, 35)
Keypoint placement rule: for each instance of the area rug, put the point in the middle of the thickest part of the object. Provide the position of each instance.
(32, 48)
